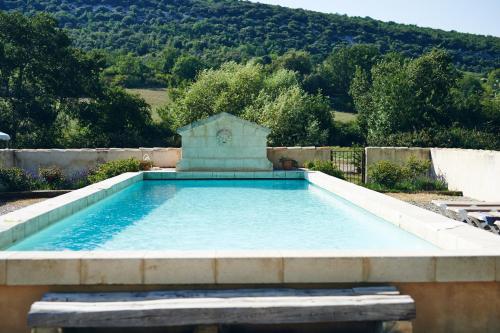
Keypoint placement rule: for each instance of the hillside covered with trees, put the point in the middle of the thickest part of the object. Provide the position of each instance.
(55, 94)
(217, 31)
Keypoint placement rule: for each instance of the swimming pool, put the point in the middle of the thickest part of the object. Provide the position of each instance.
(251, 214)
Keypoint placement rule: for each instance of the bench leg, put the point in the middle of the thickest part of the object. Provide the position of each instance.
(46, 330)
(396, 327)
(206, 329)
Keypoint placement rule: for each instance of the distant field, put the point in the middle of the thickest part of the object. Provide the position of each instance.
(344, 117)
(156, 97)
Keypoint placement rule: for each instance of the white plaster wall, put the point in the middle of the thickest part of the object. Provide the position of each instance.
(474, 172)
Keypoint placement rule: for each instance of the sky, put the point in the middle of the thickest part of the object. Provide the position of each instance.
(473, 16)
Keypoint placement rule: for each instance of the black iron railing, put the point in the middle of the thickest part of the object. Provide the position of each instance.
(351, 162)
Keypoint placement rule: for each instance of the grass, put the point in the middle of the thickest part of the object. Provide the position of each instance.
(156, 97)
(345, 117)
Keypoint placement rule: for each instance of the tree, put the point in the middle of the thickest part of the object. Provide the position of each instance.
(186, 68)
(339, 69)
(39, 73)
(297, 61)
(273, 99)
(113, 119)
(51, 94)
(407, 99)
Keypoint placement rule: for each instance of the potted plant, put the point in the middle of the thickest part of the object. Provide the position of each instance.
(288, 163)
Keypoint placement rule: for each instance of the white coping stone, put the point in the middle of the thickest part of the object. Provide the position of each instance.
(39, 268)
(179, 267)
(323, 269)
(400, 269)
(104, 268)
(242, 267)
(478, 268)
(248, 267)
(434, 228)
(24, 222)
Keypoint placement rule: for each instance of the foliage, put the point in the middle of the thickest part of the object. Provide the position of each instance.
(113, 168)
(274, 100)
(415, 168)
(386, 173)
(326, 167)
(227, 30)
(51, 94)
(338, 70)
(186, 68)
(441, 137)
(53, 176)
(15, 179)
(426, 95)
(411, 176)
(296, 61)
(347, 134)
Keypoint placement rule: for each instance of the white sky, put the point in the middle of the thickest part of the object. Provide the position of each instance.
(478, 16)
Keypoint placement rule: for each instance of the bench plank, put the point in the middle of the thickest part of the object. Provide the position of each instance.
(179, 311)
(228, 293)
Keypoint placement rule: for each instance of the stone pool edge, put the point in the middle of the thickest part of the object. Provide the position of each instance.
(469, 254)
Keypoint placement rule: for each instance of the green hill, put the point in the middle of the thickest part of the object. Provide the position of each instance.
(221, 30)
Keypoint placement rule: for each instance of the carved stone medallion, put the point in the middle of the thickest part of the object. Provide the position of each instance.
(224, 136)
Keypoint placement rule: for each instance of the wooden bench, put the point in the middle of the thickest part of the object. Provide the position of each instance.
(220, 307)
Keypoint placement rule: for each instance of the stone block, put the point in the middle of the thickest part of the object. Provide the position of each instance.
(39, 268)
(243, 270)
(323, 269)
(179, 269)
(112, 268)
(465, 268)
(400, 269)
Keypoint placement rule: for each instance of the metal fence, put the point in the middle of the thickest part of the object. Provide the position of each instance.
(351, 162)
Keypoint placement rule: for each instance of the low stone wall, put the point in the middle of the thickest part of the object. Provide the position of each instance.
(299, 154)
(6, 158)
(474, 172)
(73, 161)
(395, 154)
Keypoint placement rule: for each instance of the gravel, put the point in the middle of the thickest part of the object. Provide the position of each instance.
(423, 200)
(12, 205)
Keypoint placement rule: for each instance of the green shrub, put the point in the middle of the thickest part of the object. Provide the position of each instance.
(15, 179)
(386, 173)
(325, 167)
(412, 176)
(53, 176)
(415, 168)
(113, 168)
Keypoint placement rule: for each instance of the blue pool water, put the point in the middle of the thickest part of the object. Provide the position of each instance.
(222, 214)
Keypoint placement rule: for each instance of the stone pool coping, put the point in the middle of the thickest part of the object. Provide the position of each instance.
(468, 254)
